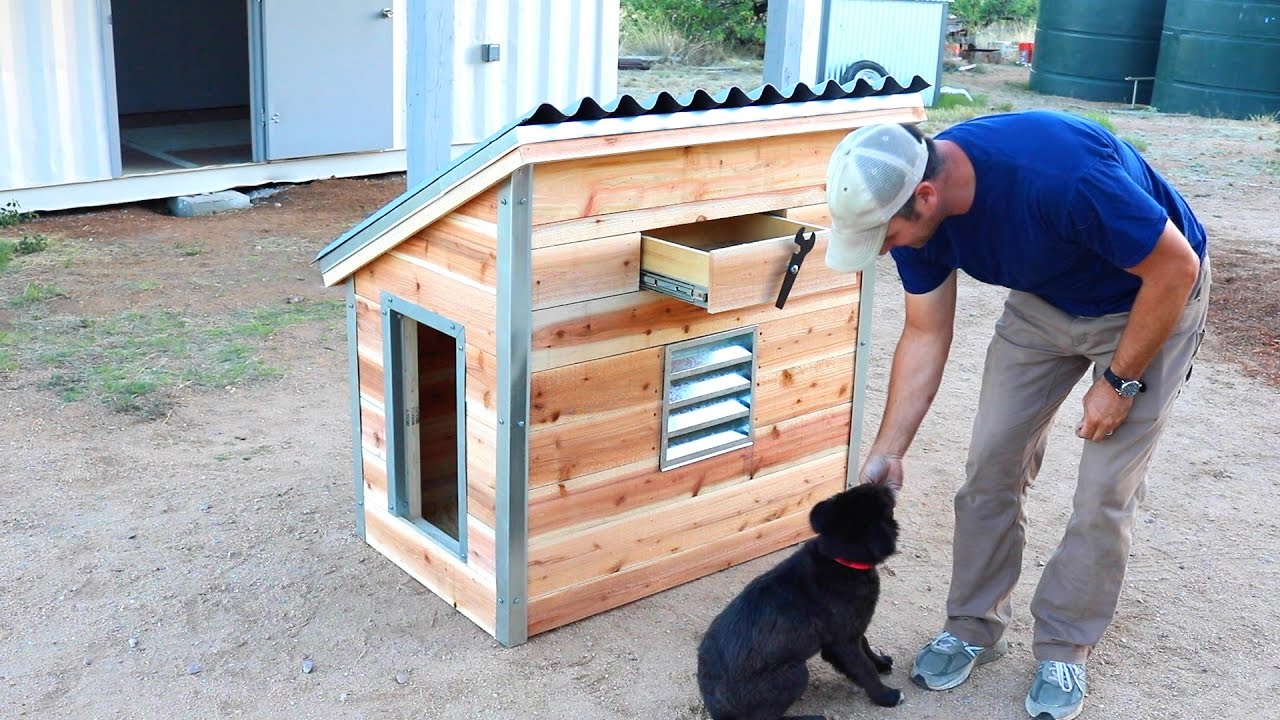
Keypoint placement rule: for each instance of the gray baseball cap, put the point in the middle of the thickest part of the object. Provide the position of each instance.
(871, 174)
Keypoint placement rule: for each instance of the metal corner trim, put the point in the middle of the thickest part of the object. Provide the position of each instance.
(357, 434)
(866, 293)
(514, 326)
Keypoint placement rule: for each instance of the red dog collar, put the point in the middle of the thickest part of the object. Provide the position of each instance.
(855, 565)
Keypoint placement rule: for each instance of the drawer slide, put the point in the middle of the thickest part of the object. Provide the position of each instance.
(679, 289)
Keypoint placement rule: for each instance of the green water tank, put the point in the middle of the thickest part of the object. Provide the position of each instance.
(1086, 48)
(1220, 58)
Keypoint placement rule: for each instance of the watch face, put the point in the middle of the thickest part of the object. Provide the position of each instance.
(1129, 388)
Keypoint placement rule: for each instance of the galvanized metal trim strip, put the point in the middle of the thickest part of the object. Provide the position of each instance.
(515, 323)
(357, 435)
(110, 101)
(410, 201)
(866, 292)
(392, 412)
(394, 309)
(257, 89)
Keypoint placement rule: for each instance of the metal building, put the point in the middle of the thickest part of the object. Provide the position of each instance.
(109, 101)
(811, 41)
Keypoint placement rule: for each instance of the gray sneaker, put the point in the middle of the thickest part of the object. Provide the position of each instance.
(947, 661)
(1058, 691)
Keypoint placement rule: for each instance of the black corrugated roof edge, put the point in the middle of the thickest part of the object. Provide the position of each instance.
(665, 103)
(588, 109)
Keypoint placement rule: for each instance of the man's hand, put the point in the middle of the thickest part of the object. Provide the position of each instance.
(883, 470)
(1104, 411)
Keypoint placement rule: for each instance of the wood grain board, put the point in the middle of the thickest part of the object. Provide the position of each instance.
(624, 323)
(587, 186)
(583, 390)
(448, 295)
(563, 451)
(610, 591)
(628, 221)
(817, 214)
(468, 589)
(787, 392)
(587, 270)
(586, 502)
(806, 338)
(457, 245)
(563, 561)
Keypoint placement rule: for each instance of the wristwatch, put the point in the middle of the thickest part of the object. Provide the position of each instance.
(1124, 388)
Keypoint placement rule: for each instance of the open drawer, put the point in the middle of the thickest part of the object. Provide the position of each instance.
(734, 262)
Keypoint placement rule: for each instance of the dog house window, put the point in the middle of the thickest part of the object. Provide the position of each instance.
(426, 431)
(708, 390)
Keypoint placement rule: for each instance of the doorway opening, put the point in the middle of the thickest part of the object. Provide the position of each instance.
(427, 421)
(182, 84)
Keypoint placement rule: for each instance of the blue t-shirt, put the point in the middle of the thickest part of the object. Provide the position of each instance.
(1060, 208)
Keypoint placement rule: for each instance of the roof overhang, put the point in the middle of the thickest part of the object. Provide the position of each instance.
(547, 135)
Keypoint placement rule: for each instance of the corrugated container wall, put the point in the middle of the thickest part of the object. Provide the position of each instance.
(903, 36)
(556, 51)
(54, 93)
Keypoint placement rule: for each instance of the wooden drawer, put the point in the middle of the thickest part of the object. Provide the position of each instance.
(734, 262)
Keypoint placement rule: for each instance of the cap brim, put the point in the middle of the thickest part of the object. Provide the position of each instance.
(855, 250)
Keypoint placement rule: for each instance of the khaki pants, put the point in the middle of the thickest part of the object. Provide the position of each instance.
(1036, 357)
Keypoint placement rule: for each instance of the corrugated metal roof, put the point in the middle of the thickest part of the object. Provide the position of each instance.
(665, 103)
(588, 111)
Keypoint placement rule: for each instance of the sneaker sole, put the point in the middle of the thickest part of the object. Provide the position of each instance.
(995, 652)
(1041, 712)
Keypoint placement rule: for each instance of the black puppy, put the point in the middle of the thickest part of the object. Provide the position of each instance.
(751, 662)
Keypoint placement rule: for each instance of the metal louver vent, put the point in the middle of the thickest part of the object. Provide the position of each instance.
(708, 390)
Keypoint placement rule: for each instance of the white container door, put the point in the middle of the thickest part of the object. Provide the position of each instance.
(57, 114)
(325, 71)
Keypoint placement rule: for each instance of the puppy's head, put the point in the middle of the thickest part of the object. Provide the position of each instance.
(857, 524)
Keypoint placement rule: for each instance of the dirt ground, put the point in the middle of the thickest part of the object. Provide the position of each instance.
(187, 565)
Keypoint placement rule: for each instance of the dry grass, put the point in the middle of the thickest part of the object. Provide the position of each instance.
(658, 38)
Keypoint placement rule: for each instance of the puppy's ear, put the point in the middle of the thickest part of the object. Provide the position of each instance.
(820, 515)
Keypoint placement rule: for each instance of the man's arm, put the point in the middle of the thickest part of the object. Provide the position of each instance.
(918, 362)
(1168, 275)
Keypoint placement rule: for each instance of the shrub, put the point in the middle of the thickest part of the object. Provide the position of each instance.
(32, 244)
(735, 23)
(981, 13)
(11, 214)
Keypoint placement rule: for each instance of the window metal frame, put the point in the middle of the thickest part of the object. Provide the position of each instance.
(394, 311)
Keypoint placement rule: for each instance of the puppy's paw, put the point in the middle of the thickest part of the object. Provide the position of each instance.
(891, 697)
(883, 664)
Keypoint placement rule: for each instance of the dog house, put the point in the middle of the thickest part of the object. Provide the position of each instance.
(574, 383)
